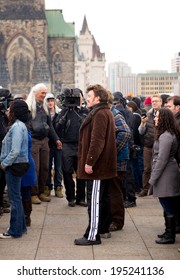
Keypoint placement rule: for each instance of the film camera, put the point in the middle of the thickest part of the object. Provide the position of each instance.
(5, 98)
(71, 97)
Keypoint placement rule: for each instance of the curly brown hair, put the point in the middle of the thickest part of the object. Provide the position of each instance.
(99, 91)
(166, 122)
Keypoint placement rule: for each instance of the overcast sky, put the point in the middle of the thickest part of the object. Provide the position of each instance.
(143, 33)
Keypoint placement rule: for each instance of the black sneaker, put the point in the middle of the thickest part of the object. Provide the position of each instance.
(5, 235)
(129, 204)
(85, 242)
(81, 203)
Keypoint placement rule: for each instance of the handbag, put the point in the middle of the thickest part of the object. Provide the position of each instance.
(19, 169)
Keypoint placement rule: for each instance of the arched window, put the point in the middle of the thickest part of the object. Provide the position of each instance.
(21, 68)
(20, 57)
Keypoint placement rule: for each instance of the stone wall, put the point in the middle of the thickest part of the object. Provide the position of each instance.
(22, 9)
(65, 48)
(27, 55)
(24, 49)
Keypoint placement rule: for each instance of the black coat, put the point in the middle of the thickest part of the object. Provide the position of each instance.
(3, 126)
(68, 123)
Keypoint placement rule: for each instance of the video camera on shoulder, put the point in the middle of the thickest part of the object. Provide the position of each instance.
(5, 98)
(71, 97)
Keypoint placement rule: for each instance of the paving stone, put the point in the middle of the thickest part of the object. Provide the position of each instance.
(55, 225)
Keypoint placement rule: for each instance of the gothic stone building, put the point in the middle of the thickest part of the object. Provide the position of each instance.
(89, 60)
(36, 45)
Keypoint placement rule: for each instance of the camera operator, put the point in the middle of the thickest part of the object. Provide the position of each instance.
(4, 98)
(68, 124)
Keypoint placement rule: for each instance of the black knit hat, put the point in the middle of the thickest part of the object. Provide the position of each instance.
(118, 96)
(20, 110)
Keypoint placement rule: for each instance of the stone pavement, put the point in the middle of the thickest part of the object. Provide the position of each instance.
(55, 226)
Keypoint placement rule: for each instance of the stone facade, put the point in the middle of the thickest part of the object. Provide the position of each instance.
(61, 53)
(89, 60)
(28, 55)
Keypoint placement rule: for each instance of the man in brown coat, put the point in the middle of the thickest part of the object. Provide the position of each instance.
(97, 162)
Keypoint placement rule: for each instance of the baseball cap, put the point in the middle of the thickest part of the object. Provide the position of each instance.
(49, 95)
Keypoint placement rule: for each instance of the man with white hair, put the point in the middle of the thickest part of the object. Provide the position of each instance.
(41, 128)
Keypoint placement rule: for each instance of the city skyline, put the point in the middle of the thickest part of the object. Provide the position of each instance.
(143, 34)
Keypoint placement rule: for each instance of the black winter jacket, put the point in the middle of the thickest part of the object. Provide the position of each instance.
(149, 134)
(68, 123)
(41, 126)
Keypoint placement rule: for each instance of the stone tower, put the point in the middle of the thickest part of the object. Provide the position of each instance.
(23, 45)
(89, 60)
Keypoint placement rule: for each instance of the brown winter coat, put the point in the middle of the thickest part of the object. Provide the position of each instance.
(97, 145)
(165, 174)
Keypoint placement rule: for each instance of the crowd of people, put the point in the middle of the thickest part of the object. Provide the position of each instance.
(102, 152)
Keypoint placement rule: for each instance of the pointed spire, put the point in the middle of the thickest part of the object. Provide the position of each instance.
(84, 26)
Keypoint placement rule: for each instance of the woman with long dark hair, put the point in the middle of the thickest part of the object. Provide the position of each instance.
(14, 158)
(165, 172)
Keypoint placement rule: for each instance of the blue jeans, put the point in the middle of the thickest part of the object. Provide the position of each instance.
(2, 186)
(55, 155)
(17, 219)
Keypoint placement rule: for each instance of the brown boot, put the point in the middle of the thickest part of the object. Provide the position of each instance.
(58, 192)
(35, 199)
(44, 198)
(27, 204)
(47, 191)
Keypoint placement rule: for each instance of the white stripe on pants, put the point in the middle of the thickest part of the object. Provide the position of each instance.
(94, 210)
